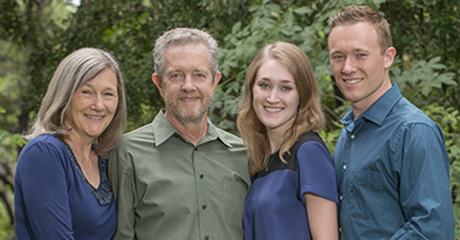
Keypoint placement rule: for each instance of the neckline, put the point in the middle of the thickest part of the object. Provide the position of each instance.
(103, 192)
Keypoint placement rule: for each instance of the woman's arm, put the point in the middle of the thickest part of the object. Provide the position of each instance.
(319, 189)
(322, 217)
(41, 194)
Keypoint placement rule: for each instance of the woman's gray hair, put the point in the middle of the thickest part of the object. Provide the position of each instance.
(182, 36)
(75, 70)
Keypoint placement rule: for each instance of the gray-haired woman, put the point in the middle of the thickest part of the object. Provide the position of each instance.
(61, 185)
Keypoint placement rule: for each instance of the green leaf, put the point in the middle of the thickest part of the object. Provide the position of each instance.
(303, 10)
(236, 28)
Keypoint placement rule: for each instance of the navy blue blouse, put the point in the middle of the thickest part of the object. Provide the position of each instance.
(275, 207)
(53, 199)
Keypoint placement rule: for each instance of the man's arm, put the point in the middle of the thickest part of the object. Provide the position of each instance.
(121, 178)
(425, 195)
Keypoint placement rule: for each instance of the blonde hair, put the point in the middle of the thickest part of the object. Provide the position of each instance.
(75, 70)
(309, 115)
(353, 14)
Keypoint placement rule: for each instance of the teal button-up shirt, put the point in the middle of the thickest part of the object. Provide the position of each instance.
(166, 188)
(392, 173)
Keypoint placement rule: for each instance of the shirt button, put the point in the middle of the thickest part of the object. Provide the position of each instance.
(340, 229)
(344, 167)
(352, 136)
(340, 197)
(204, 207)
(201, 176)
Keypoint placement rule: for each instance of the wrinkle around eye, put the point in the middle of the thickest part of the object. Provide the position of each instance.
(86, 92)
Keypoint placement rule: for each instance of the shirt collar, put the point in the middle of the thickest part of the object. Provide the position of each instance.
(378, 111)
(163, 130)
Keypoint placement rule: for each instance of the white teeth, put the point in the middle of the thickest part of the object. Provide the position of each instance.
(94, 117)
(353, 81)
(188, 99)
(272, 109)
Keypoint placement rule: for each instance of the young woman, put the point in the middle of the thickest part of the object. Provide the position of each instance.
(293, 195)
(62, 189)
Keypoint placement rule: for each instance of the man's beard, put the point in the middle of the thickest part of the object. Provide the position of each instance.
(185, 118)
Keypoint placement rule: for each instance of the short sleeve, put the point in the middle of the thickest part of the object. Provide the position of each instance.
(316, 171)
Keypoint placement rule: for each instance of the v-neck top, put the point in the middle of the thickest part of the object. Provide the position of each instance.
(103, 193)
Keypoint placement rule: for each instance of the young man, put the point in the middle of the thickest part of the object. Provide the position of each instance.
(181, 177)
(391, 162)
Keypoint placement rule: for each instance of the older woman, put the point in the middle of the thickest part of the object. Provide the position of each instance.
(61, 186)
(293, 195)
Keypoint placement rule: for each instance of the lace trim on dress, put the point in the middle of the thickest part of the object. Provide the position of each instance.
(103, 194)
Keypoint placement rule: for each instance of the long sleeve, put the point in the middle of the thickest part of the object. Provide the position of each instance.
(424, 184)
(42, 201)
(121, 178)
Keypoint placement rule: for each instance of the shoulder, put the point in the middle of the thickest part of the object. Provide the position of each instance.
(44, 150)
(413, 125)
(313, 149)
(311, 139)
(229, 138)
(409, 114)
(141, 134)
(311, 136)
(310, 147)
(42, 142)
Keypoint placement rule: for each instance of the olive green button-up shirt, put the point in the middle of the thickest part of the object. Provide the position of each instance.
(166, 188)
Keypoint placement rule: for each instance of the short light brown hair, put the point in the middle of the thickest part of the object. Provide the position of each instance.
(309, 115)
(73, 72)
(353, 14)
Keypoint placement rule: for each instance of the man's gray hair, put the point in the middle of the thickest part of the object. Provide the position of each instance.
(182, 36)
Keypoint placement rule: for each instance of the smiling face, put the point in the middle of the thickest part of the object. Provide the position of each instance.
(275, 100)
(93, 106)
(187, 85)
(359, 68)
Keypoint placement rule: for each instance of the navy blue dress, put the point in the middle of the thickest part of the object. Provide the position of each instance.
(275, 207)
(53, 199)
